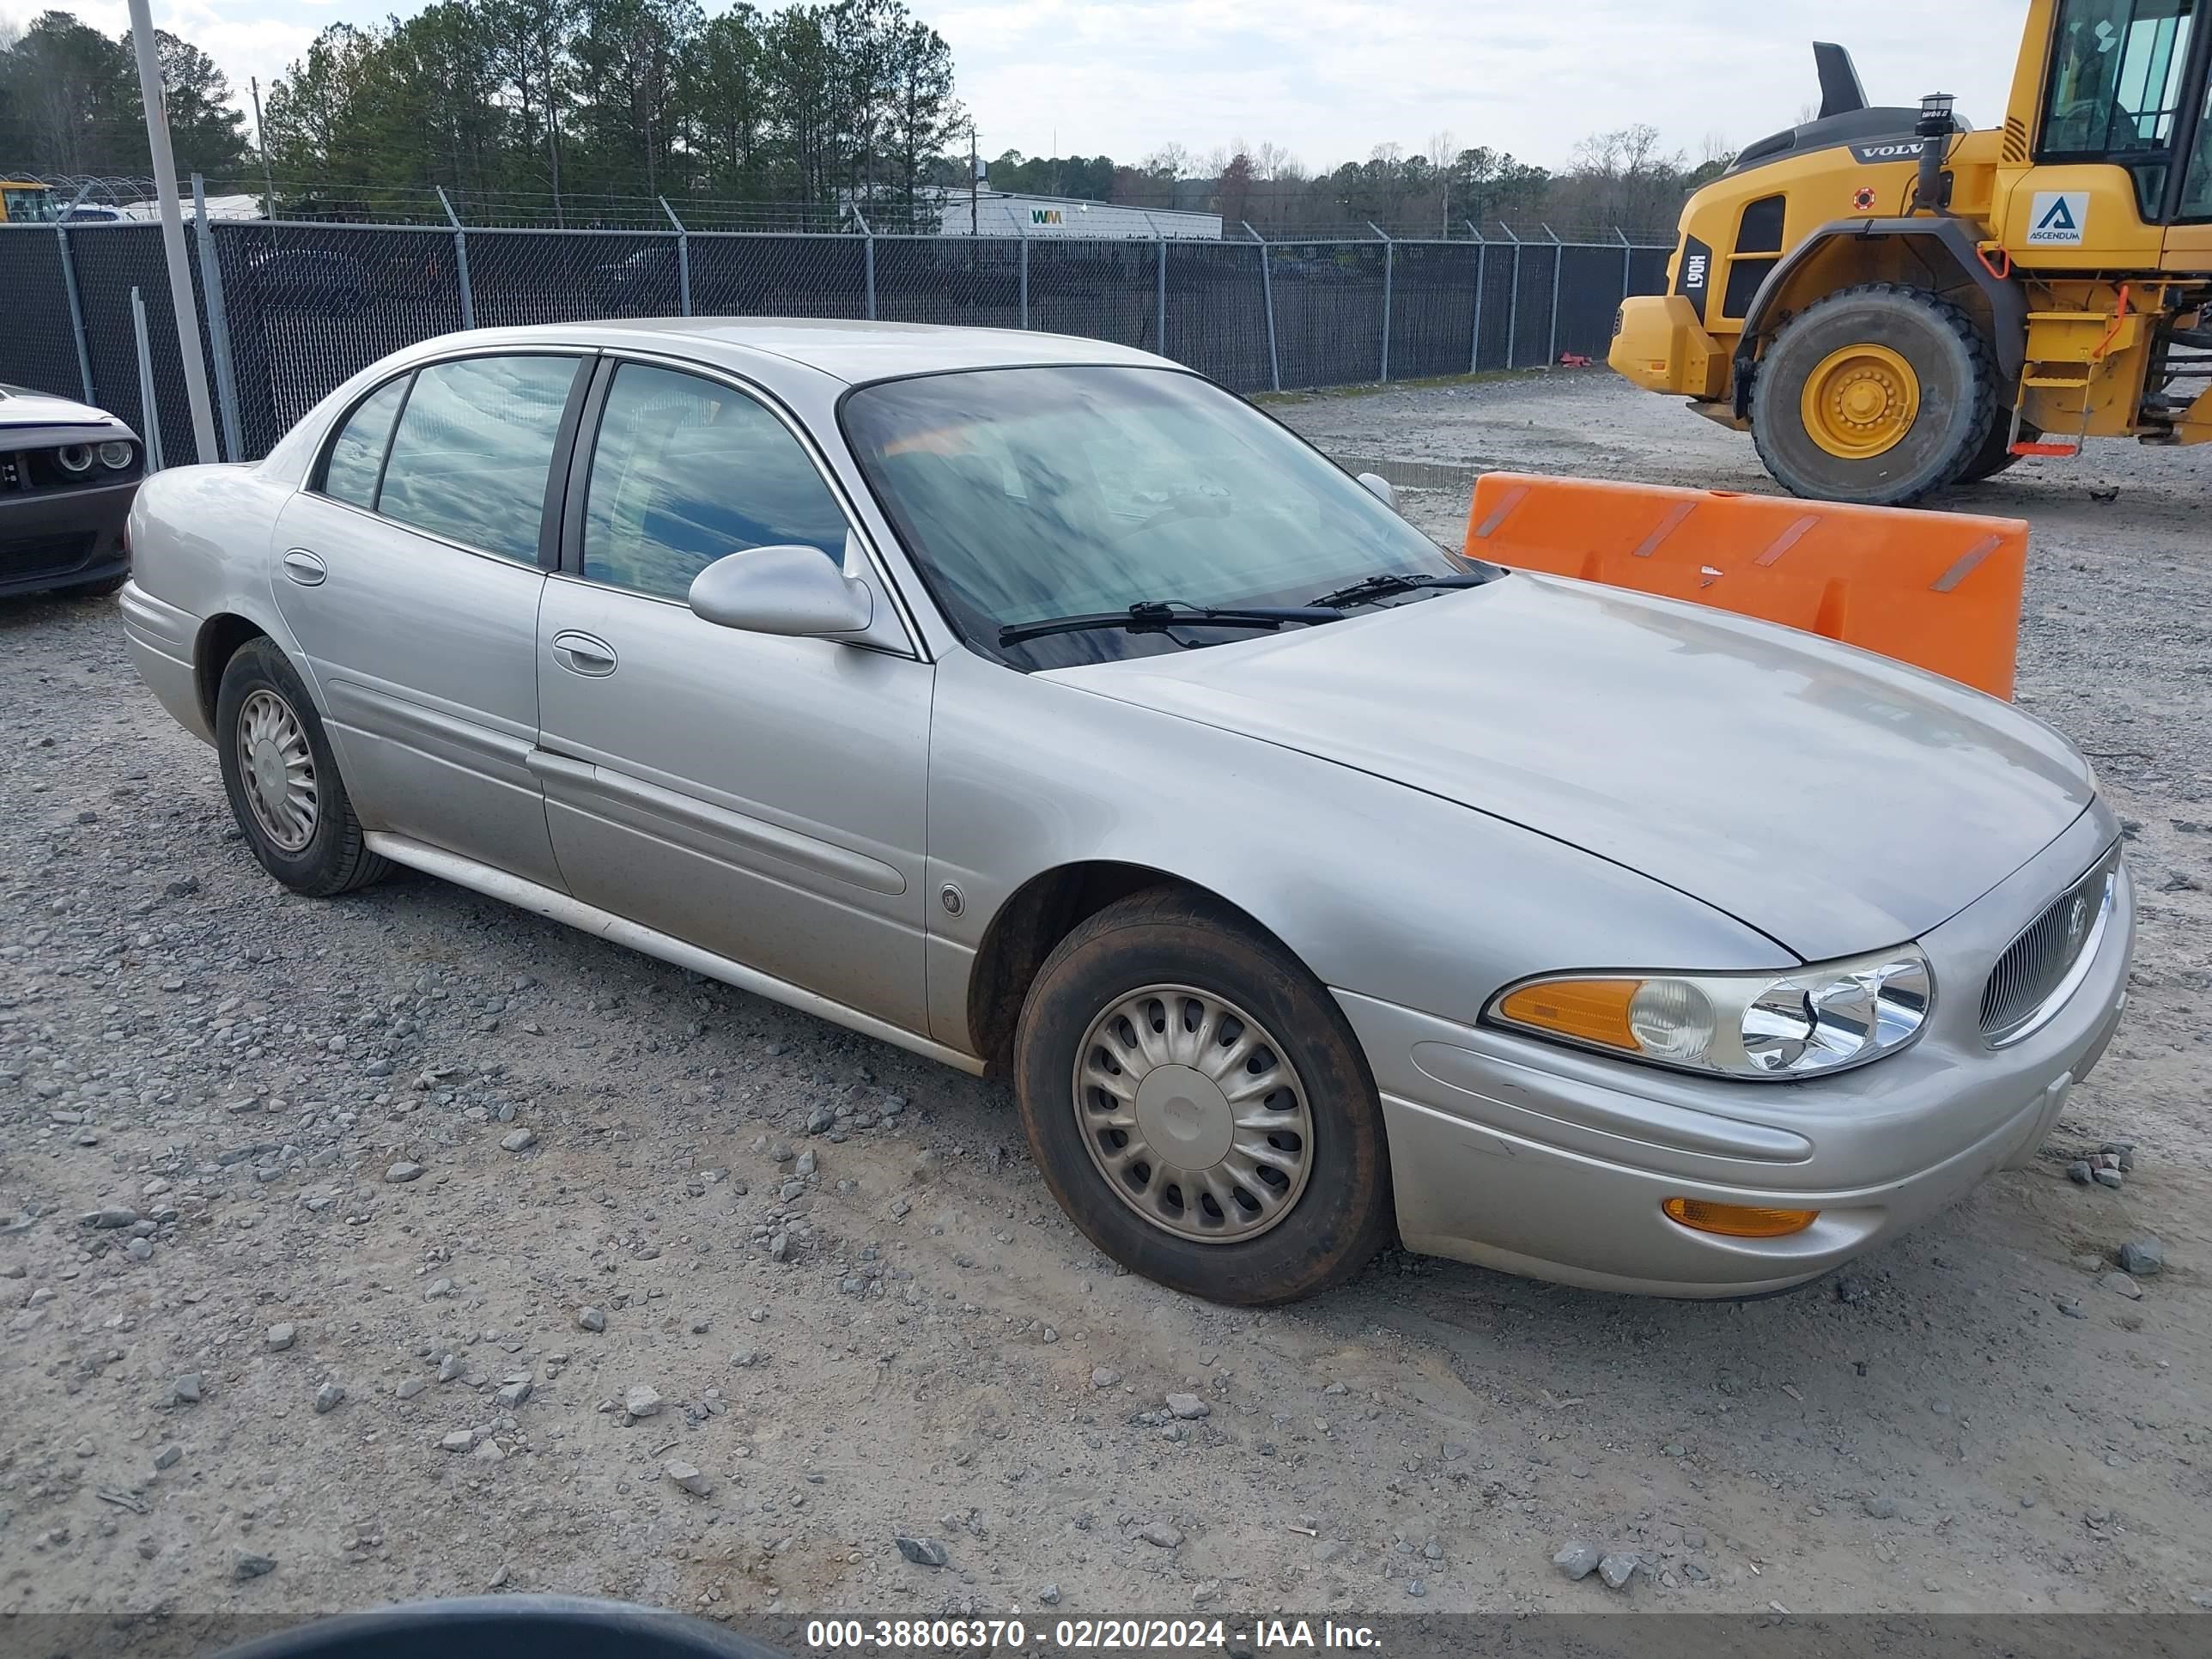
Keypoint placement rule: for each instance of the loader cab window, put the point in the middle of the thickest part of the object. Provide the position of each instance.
(2196, 184)
(2117, 68)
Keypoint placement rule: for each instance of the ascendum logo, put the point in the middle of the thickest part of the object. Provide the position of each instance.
(2057, 218)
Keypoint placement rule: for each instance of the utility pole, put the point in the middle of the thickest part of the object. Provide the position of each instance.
(974, 168)
(173, 236)
(261, 143)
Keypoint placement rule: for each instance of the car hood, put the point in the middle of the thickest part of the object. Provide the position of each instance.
(1835, 800)
(20, 408)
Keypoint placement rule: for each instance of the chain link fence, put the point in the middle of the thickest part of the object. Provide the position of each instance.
(289, 310)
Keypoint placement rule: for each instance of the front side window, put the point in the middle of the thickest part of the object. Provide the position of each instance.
(1026, 493)
(474, 446)
(687, 469)
(2116, 69)
(356, 456)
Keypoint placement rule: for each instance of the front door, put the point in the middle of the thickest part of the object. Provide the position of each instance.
(760, 797)
(409, 572)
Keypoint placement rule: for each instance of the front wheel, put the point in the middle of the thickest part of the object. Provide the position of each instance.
(1199, 1105)
(1878, 394)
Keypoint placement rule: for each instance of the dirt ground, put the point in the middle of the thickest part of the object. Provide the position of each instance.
(881, 1325)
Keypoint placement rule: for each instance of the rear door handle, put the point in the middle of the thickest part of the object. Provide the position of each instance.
(583, 654)
(304, 567)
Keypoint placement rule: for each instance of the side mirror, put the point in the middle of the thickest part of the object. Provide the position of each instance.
(1381, 488)
(795, 591)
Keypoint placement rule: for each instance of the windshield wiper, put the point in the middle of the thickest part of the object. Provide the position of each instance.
(1158, 616)
(1392, 582)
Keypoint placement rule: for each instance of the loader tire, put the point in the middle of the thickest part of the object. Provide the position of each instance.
(1878, 394)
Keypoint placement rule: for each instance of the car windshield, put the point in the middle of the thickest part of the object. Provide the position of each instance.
(1027, 494)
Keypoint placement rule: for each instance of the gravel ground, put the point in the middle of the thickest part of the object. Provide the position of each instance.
(408, 1245)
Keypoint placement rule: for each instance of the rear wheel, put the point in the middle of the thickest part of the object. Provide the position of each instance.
(282, 780)
(1878, 394)
(1199, 1105)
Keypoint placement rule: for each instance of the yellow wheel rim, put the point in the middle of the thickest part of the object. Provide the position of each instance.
(1860, 401)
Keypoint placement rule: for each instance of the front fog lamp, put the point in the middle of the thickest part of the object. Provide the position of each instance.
(115, 454)
(1820, 1019)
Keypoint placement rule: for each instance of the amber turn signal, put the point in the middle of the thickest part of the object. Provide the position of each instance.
(1738, 1220)
(1587, 1010)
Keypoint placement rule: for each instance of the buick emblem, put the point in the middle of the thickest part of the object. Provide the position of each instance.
(2077, 922)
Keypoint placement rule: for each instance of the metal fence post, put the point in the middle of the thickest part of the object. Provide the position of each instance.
(218, 321)
(1267, 298)
(1513, 299)
(1163, 347)
(77, 313)
(869, 254)
(149, 413)
(460, 260)
(1389, 263)
(1481, 269)
(1558, 264)
(1627, 261)
(1025, 277)
(682, 257)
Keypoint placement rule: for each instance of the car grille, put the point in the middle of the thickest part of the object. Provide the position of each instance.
(2032, 977)
(35, 556)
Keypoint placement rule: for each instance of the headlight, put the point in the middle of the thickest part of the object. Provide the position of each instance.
(74, 458)
(115, 454)
(1814, 1020)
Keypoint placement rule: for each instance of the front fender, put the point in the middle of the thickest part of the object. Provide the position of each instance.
(1379, 889)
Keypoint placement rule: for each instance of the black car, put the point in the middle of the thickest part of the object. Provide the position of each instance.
(67, 474)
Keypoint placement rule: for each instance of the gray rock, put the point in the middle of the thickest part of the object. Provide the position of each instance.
(1161, 1535)
(2142, 1257)
(165, 1457)
(329, 1398)
(1188, 1407)
(277, 1338)
(185, 1390)
(1881, 1507)
(1050, 1595)
(449, 1367)
(2121, 1285)
(113, 1216)
(2109, 1178)
(2079, 1172)
(687, 1476)
(805, 1164)
(591, 1318)
(1577, 1559)
(404, 1171)
(819, 1120)
(1616, 1567)
(642, 1402)
(922, 1552)
(409, 1386)
(139, 1250)
(519, 1140)
(251, 1566)
(1105, 1376)
(515, 1394)
(459, 1441)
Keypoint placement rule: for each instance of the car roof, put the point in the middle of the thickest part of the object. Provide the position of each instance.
(848, 350)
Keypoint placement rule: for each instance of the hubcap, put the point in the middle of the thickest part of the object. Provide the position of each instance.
(1860, 401)
(277, 769)
(1192, 1113)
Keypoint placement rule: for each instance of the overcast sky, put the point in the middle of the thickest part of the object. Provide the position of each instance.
(1331, 79)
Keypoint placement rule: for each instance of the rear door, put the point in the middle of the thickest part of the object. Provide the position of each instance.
(762, 796)
(411, 573)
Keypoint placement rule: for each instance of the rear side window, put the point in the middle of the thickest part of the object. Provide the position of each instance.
(686, 470)
(357, 453)
(474, 449)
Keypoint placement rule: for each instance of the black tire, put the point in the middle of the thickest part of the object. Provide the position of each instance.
(1948, 356)
(1166, 936)
(99, 590)
(336, 858)
(1996, 452)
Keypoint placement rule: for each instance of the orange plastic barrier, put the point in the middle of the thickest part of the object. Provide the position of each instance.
(1938, 590)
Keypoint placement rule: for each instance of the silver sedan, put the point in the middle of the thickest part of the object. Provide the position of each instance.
(1037, 706)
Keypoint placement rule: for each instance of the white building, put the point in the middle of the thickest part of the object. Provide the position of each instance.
(1007, 213)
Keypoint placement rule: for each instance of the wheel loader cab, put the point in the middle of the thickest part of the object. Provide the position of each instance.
(1891, 302)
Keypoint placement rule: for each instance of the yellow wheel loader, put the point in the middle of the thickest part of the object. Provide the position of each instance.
(1891, 302)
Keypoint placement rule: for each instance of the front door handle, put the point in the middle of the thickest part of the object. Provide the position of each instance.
(304, 567)
(583, 654)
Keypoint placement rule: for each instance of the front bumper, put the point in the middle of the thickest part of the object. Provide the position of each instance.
(64, 538)
(1519, 1155)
